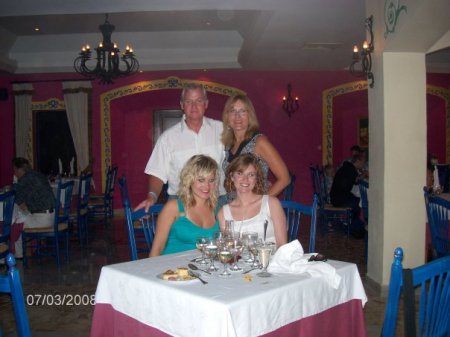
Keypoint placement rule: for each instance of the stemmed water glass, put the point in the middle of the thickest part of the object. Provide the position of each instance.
(264, 252)
(229, 229)
(201, 243)
(211, 252)
(225, 256)
(247, 239)
(253, 249)
(236, 249)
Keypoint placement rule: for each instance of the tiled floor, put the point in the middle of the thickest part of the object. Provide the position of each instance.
(78, 280)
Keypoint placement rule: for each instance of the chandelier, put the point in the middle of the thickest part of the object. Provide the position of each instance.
(364, 57)
(109, 65)
(290, 104)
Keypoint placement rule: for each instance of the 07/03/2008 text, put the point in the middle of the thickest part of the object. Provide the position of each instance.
(60, 299)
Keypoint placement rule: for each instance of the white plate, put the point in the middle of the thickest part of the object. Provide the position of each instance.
(178, 281)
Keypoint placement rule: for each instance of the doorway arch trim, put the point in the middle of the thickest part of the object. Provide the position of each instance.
(171, 82)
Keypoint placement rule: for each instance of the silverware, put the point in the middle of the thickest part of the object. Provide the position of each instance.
(266, 223)
(248, 271)
(194, 267)
(196, 275)
(196, 259)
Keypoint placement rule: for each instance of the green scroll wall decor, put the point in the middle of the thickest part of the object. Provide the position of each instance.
(392, 10)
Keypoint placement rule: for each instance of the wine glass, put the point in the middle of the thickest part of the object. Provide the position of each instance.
(253, 249)
(229, 228)
(236, 249)
(247, 239)
(264, 252)
(201, 243)
(225, 256)
(211, 252)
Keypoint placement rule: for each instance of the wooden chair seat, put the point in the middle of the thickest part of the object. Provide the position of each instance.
(61, 227)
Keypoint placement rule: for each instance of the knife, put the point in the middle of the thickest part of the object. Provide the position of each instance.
(196, 275)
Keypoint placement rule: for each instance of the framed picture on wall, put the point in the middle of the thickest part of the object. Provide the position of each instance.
(164, 119)
(363, 132)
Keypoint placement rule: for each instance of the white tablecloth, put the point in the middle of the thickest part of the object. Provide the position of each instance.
(224, 307)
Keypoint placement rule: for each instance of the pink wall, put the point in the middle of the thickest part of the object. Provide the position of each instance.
(298, 139)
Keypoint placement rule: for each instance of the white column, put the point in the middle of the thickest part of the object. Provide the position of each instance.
(397, 124)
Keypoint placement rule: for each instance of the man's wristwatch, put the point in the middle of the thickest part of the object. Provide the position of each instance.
(154, 195)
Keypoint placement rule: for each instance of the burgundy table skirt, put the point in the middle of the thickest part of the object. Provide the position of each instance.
(344, 320)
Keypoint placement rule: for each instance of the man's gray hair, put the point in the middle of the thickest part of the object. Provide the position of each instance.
(193, 86)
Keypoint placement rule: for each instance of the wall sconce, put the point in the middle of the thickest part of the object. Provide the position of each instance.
(364, 56)
(290, 104)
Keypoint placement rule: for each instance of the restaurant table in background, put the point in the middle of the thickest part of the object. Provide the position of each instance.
(131, 300)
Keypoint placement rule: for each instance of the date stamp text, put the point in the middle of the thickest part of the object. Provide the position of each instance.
(60, 299)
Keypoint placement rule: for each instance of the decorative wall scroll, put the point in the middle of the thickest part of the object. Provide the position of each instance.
(168, 83)
(50, 104)
(327, 115)
(392, 10)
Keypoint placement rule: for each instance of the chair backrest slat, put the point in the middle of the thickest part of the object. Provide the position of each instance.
(147, 220)
(7, 202)
(63, 202)
(10, 284)
(433, 279)
(438, 211)
(289, 189)
(84, 188)
(294, 213)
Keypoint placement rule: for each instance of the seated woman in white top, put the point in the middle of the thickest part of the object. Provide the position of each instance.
(252, 207)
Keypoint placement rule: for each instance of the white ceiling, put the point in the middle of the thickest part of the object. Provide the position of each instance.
(188, 34)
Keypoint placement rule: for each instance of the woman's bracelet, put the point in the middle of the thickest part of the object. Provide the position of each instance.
(154, 195)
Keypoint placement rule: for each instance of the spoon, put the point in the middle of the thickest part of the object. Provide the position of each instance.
(194, 267)
(266, 223)
(197, 276)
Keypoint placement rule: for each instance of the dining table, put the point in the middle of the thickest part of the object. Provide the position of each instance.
(132, 299)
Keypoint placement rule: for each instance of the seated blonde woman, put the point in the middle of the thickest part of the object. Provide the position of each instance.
(193, 213)
(252, 207)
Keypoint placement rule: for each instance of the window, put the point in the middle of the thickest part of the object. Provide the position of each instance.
(53, 141)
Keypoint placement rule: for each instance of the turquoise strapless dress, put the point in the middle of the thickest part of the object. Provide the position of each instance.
(184, 233)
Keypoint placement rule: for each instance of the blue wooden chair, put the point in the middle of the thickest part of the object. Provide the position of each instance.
(10, 284)
(103, 204)
(329, 215)
(289, 189)
(294, 213)
(141, 225)
(84, 189)
(438, 210)
(433, 279)
(45, 241)
(7, 203)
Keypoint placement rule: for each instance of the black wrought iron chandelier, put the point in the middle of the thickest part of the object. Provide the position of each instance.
(364, 57)
(109, 64)
(290, 104)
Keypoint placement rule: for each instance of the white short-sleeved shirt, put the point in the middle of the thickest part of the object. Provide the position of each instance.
(178, 144)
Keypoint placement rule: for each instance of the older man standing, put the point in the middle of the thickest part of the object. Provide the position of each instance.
(194, 134)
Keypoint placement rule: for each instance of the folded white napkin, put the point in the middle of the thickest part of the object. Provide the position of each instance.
(289, 258)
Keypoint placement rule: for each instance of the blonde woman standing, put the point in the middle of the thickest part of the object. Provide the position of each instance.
(241, 135)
